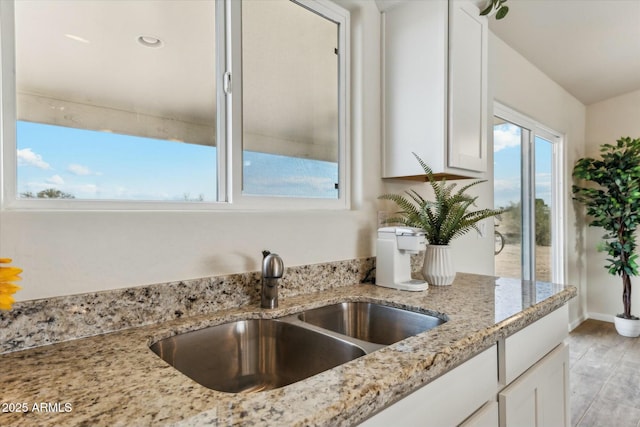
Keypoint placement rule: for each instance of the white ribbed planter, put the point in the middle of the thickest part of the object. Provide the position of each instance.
(627, 327)
(438, 269)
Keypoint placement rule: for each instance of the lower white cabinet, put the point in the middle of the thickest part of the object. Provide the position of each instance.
(487, 416)
(448, 400)
(534, 371)
(520, 351)
(521, 381)
(540, 397)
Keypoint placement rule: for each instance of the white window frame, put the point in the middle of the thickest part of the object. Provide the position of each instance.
(532, 129)
(229, 124)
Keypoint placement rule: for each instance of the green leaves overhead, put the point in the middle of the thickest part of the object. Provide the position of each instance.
(612, 200)
(499, 7)
(444, 218)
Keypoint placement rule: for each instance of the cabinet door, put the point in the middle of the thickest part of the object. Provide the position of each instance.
(468, 32)
(487, 416)
(414, 44)
(540, 397)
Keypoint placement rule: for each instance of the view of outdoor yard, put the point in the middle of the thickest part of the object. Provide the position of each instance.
(511, 175)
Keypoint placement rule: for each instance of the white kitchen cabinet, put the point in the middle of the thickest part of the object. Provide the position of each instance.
(540, 397)
(534, 367)
(487, 416)
(468, 66)
(520, 351)
(448, 400)
(521, 381)
(435, 88)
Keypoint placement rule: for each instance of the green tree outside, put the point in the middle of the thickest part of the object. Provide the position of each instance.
(49, 193)
(511, 224)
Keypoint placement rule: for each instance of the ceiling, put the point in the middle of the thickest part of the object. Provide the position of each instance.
(87, 52)
(589, 47)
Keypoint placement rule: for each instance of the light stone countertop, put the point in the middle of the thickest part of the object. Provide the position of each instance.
(115, 380)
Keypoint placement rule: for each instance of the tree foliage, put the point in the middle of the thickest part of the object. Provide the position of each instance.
(444, 218)
(511, 222)
(49, 193)
(498, 6)
(612, 201)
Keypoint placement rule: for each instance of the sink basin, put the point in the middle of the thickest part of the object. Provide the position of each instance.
(253, 355)
(370, 322)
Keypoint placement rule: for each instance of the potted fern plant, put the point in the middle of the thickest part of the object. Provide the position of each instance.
(442, 219)
(612, 199)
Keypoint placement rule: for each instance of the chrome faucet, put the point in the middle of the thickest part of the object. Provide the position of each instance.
(272, 271)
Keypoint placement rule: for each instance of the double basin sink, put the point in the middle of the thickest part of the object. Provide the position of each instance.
(263, 354)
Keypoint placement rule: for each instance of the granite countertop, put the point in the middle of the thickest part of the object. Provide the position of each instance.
(114, 379)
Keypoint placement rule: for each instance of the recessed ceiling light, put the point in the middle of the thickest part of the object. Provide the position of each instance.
(150, 41)
(76, 38)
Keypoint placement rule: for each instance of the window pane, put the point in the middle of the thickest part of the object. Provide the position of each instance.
(290, 101)
(507, 172)
(272, 174)
(61, 162)
(543, 208)
(116, 100)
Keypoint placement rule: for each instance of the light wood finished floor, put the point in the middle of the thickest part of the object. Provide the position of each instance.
(605, 377)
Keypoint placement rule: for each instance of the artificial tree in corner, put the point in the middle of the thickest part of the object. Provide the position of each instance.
(443, 219)
(612, 201)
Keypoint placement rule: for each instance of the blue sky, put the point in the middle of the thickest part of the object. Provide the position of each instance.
(107, 166)
(507, 166)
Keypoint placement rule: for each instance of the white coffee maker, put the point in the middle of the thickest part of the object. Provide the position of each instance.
(394, 248)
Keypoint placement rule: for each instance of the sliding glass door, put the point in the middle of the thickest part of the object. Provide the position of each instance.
(507, 193)
(543, 180)
(526, 184)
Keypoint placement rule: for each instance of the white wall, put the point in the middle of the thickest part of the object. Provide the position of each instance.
(518, 84)
(607, 121)
(65, 253)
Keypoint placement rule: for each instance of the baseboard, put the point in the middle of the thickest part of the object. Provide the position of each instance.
(576, 323)
(600, 316)
(594, 316)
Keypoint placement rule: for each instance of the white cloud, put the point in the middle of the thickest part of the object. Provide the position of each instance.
(26, 157)
(505, 136)
(500, 185)
(86, 190)
(543, 177)
(312, 182)
(79, 169)
(55, 179)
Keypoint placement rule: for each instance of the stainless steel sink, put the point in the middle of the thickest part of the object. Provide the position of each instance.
(253, 355)
(370, 322)
(258, 355)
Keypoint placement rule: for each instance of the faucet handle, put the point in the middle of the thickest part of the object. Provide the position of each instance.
(272, 265)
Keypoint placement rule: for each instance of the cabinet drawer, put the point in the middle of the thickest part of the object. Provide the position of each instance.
(449, 399)
(524, 348)
(539, 397)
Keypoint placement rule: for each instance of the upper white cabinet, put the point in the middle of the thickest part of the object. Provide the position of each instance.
(435, 88)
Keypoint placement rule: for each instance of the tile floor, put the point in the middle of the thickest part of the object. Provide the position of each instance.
(605, 377)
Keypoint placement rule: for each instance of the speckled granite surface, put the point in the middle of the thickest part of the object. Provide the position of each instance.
(115, 380)
(46, 321)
